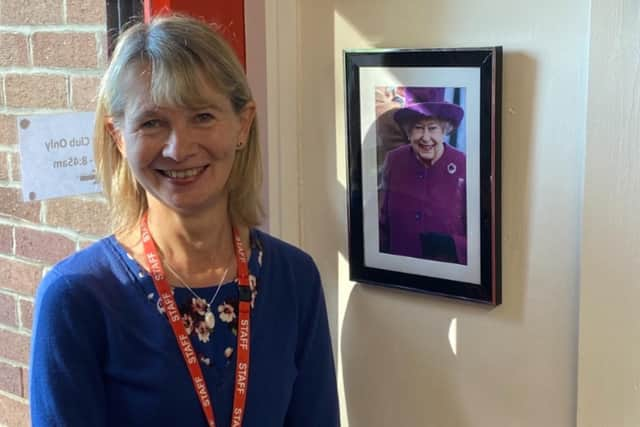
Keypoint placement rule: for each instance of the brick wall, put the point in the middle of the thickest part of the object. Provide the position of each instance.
(52, 53)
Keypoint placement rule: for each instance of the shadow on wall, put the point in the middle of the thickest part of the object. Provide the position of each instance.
(401, 364)
(396, 371)
(398, 362)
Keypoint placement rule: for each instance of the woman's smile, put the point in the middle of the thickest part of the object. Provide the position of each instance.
(183, 174)
(426, 145)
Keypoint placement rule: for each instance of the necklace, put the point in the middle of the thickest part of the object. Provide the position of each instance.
(243, 336)
(209, 318)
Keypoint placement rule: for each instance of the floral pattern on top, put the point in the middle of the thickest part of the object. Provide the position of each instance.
(213, 335)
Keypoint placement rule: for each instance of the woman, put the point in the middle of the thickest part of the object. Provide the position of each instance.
(187, 315)
(422, 195)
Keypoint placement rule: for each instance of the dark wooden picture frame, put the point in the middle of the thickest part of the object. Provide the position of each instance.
(424, 191)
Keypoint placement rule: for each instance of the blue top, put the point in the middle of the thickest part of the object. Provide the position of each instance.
(104, 354)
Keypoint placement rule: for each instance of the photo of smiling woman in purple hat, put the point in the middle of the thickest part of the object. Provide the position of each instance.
(422, 194)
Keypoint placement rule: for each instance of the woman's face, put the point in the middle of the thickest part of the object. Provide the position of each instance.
(426, 137)
(182, 157)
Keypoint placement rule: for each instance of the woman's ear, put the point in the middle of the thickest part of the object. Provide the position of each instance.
(116, 136)
(247, 115)
(447, 127)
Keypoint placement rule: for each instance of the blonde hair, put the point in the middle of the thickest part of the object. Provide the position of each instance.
(179, 51)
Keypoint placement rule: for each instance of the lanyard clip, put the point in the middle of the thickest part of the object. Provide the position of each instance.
(244, 292)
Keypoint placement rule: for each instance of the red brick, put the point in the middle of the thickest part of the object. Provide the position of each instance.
(4, 166)
(86, 11)
(8, 130)
(11, 204)
(26, 314)
(15, 347)
(85, 216)
(8, 312)
(15, 167)
(18, 12)
(42, 245)
(11, 379)
(14, 50)
(35, 91)
(70, 50)
(84, 91)
(6, 239)
(14, 413)
(19, 276)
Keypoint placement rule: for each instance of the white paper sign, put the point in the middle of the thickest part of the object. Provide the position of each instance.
(57, 155)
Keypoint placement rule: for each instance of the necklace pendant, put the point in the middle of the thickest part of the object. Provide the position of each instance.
(209, 318)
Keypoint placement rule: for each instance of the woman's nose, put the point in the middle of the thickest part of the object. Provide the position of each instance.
(179, 145)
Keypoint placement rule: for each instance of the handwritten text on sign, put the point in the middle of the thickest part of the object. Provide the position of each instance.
(56, 155)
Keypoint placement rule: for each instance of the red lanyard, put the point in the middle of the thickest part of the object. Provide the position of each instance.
(184, 342)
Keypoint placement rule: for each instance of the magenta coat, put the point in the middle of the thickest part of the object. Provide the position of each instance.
(423, 209)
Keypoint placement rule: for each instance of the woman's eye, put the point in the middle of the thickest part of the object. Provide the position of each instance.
(204, 117)
(150, 124)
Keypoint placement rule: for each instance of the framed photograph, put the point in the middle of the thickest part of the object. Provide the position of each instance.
(423, 136)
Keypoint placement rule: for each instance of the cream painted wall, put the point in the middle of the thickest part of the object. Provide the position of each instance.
(516, 364)
(609, 357)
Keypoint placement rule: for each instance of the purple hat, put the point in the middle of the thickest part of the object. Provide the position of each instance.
(428, 102)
